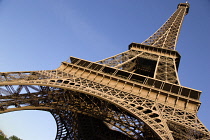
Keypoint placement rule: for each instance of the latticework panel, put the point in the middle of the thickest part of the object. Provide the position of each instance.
(113, 106)
(120, 59)
(67, 124)
(71, 125)
(147, 64)
(166, 70)
(42, 101)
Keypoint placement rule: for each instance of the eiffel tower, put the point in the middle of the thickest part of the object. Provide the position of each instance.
(133, 95)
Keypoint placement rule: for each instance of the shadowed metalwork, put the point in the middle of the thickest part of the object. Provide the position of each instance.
(132, 95)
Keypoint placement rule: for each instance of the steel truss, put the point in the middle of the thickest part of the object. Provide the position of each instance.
(132, 95)
(81, 96)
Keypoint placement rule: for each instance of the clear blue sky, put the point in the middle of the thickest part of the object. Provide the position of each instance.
(40, 34)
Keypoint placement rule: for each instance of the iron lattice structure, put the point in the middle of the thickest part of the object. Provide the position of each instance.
(132, 95)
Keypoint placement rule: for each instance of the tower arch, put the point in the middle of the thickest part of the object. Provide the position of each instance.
(141, 114)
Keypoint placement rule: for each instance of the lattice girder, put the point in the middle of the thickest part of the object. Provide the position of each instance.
(63, 129)
(160, 63)
(80, 106)
(152, 123)
(85, 111)
(119, 59)
(85, 108)
(123, 97)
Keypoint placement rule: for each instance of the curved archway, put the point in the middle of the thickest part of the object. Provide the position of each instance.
(61, 86)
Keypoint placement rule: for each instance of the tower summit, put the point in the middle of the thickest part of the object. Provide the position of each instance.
(184, 5)
(133, 95)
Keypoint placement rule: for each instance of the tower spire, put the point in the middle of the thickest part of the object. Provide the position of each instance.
(156, 57)
(167, 35)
